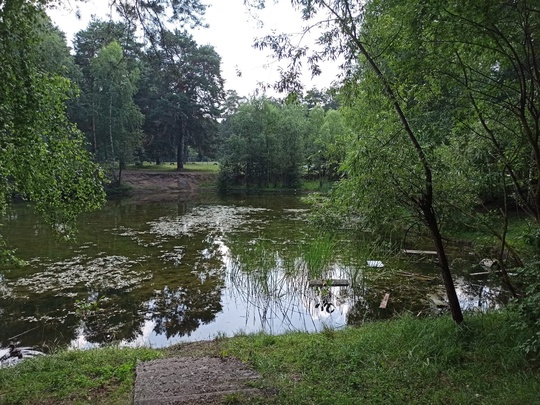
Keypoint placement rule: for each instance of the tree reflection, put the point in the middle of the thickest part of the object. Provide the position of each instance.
(115, 317)
(180, 311)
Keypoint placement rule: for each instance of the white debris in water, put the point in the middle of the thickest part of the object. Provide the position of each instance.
(175, 256)
(210, 218)
(107, 271)
(375, 263)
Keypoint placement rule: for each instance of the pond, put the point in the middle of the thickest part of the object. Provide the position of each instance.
(159, 273)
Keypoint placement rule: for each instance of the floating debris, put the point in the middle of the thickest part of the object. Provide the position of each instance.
(419, 252)
(375, 263)
(329, 283)
(437, 301)
(490, 264)
(384, 301)
(13, 355)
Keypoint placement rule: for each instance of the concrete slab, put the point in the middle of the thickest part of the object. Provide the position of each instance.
(190, 380)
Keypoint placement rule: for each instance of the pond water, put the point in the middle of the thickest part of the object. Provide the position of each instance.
(159, 273)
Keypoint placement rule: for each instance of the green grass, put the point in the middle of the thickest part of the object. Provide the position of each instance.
(522, 235)
(314, 185)
(74, 377)
(402, 361)
(205, 167)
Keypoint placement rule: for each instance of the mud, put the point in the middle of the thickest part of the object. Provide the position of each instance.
(148, 182)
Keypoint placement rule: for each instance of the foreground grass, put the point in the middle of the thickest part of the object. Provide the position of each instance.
(404, 361)
(99, 376)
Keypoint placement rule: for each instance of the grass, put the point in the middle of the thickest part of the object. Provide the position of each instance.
(314, 185)
(95, 376)
(198, 167)
(520, 232)
(402, 361)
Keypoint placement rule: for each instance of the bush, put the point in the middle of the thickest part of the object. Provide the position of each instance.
(528, 307)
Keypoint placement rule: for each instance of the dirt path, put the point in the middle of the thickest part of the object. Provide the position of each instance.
(152, 182)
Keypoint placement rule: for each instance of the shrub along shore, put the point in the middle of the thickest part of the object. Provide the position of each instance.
(404, 360)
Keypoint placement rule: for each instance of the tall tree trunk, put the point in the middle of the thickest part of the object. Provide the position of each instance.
(179, 158)
(180, 148)
(121, 166)
(110, 127)
(94, 136)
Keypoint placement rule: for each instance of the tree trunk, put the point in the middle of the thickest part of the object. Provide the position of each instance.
(121, 167)
(180, 149)
(425, 203)
(110, 127)
(451, 294)
(94, 145)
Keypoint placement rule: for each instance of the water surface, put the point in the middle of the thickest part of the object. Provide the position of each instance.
(151, 273)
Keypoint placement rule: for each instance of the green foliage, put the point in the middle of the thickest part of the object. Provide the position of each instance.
(118, 119)
(42, 156)
(108, 81)
(180, 95)
(528, 307)
(264, 146)
(318, 254)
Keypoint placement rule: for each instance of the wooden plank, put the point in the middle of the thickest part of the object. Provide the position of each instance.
(415, 275)
(419, 252)
(384, 301)
(329, 283)
(484, 273)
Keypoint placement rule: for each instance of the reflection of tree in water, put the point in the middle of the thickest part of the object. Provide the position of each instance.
(480, 295)
(114, 317)
(182, 310)
(29, 320)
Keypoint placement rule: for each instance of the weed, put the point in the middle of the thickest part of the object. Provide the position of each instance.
(233, 398)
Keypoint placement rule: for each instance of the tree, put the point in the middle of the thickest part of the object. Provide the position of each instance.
(264, 145)
(53, 54)
(417, 189)
(326, 143)
(87, 44)
(42, 155)
(499, 76)
(181, 95)
(118, 118)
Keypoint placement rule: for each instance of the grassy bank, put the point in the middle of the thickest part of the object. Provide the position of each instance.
(199, 167)
(103, 376)
(404, 361)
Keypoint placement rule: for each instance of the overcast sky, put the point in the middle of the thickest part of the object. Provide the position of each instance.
(231, 32)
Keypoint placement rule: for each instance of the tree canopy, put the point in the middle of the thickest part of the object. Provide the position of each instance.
(43, 159)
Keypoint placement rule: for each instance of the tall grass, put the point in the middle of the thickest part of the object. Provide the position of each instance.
(318, 255)
(404, 361)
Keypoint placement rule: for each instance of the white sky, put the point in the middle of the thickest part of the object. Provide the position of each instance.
(231, 32)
